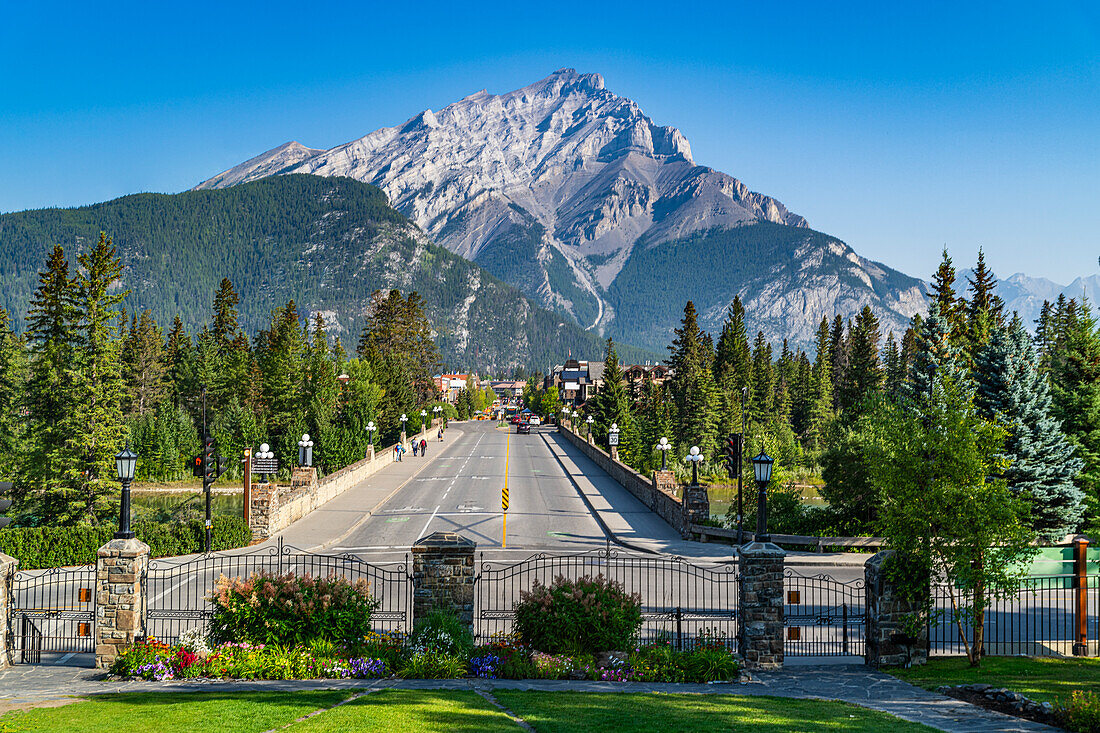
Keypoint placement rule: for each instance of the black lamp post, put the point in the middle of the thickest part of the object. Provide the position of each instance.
(695, 457)
(125, 463)
(762, 467)
(664, 446)
(370, 434)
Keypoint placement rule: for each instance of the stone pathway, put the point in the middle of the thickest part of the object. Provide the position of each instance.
(38, 684)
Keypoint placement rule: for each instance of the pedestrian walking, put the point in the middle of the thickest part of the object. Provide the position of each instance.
(416, 448)
(398, 449)
(423, 447)
(440, 433)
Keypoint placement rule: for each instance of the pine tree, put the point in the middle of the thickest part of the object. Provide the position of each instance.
(225, 326)
(762, 399)
(864, 375)
(94, 424)
(611, 405)
(280, 357)
(821, 411)
(1011, 390)
(984, 309)
(1075, 388)
(838, 356)
(892, 367)
(179, 360)
(144, 366)
(694, 394)
(935, 356)
(49, 397)
(12, 379)
(948, 304)
(732, 367)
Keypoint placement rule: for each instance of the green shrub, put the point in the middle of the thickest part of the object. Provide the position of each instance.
(49, 547)
(662, 663)
(584, 615)
(433, 665)
(1082, 713)
(289, 609)
(441, 631)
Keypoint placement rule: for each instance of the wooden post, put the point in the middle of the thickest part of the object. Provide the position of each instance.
(1080, 585)
(247, 484)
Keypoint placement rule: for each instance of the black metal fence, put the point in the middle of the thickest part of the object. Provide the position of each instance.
(1040, 619)
(52, 611)
(178, 594)
(681, 602)
(824, 617)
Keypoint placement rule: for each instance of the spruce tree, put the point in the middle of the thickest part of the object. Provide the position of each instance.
(611, 405)
(94, 424)
(1075, 388)
(892, 367)
(984, 309)
(144, 366)
(948, 304)
(1011, 390)
(821, 411)
(732, 366)
(762, 398)
(838, 356)
(935, 357)
(694, 394)
(12, 382)
(280, 357)
(864, 375)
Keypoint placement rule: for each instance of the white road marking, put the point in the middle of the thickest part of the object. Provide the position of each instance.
(427, 523)
(65, 658)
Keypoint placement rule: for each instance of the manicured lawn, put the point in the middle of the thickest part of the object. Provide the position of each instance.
(619, 713)
(1040, 678)
(226, 712)
(409, 711)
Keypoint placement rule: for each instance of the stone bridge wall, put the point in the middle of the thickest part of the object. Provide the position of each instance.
(660, 500)
(273, 510)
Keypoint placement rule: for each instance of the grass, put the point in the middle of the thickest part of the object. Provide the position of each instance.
(409, 711)
(615, 712)
(226, 712)
(1045, 679)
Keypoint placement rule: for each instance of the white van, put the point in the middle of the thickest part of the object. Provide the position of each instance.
(534, 420)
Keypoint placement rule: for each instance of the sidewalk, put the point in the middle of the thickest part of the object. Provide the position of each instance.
(333, 521)
(632, 522)
(43, 684)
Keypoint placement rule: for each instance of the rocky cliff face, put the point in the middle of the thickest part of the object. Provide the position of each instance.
(555, 187)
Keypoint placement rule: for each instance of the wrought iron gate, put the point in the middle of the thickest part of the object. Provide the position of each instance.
(52, 611)
(178, 594)
(824, 617)
(681, 602)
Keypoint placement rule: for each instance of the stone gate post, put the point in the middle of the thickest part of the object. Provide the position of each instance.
(120, 597)
(8, 566)
(443, 575)
(888, 643)
(760, 613)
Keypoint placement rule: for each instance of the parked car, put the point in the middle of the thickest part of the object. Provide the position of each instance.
(534, 420)
(523, 428)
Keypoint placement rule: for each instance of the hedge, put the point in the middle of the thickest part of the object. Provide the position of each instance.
(47, 547)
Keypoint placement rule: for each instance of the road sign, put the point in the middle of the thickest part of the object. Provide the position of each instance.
(612, 438)
(265, 465)
(504, 498)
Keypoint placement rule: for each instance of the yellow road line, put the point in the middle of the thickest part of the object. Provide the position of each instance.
(507, 443)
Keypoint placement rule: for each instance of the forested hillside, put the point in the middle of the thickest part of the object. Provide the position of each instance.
(325, 243)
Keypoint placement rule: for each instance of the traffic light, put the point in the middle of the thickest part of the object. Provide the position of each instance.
(222, 464)
(196, 466)
(5, 503)
(208, 467)
(733, 453)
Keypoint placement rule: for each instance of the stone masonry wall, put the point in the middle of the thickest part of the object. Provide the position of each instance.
(760, 616)
(443, 575)
(8, 566)
(887, 640)
(271, 512)
(120, 602)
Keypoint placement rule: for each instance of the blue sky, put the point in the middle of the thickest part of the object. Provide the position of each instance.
(898, 127)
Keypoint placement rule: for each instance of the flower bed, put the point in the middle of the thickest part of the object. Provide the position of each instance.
(394, 655)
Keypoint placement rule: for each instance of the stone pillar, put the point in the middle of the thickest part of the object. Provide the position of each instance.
(303, 477)
(695, 506)
(760, 616)
(666, 482)
(888, 641)
(615, 453)
(443, 575)
(370, 452)
(265, 501)
(120, 598)
(8, 566)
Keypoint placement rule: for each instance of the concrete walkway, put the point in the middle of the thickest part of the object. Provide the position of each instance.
(25, 685)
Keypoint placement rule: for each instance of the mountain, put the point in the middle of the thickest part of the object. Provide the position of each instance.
(1025, 294)
(569, 192)
(327, 243)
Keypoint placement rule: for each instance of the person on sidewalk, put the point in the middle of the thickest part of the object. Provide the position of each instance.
(440, 433)
(398, 449)
(416, 447)
(423, 447)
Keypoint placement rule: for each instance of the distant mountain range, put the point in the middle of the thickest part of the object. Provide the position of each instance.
(1025, 294)
(327, 243)
(571, 194)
